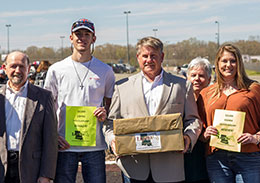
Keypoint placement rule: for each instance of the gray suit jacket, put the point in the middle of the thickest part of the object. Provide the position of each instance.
(38, 140)
(128, 102)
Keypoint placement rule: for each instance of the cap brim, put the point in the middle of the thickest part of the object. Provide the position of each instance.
(82, 27)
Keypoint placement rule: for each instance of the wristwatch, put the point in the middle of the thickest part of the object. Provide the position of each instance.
(257, 136)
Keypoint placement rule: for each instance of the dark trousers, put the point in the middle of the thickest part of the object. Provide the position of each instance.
(12, 174)
(148, 180)
(128, 180)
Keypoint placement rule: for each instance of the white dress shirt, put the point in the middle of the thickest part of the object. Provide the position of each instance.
(15, 102)
(153, 92)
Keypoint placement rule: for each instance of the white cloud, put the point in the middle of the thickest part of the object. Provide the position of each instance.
(210, 19)
(245, 28)
(175, 21)
(44, 12)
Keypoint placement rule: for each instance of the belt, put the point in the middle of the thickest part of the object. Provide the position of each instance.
(13, 155)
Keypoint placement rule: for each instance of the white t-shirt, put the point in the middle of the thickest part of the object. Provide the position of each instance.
(64, 81)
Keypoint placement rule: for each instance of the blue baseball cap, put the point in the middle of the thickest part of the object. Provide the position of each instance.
(83, 23)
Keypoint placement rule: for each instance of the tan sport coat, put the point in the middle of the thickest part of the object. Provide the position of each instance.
(39, 140)
(128, 102)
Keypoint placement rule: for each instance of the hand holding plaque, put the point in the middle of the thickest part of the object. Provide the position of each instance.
(80, 125)
(230, 125)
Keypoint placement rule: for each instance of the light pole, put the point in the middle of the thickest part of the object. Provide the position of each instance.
(166, 54)
(217, 34)
(155, 32)
(127, 37)
(62, 37)
(8, 26)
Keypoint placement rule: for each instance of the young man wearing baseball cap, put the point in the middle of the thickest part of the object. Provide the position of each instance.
(81, 80)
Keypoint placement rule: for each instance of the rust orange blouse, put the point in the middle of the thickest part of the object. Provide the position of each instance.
(242, 100)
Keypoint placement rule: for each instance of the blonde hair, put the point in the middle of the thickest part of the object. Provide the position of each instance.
(241, 78)
(151, 42)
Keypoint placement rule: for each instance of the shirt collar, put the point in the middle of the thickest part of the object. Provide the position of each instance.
(156, 79)
(22, 90)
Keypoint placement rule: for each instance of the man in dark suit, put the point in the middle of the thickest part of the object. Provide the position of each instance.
(28, 127)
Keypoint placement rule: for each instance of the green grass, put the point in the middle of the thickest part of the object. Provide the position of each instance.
(250, 72)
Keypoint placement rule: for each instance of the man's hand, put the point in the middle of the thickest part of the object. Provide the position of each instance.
(113, 146)
(187, 140)
(62, 143)
(43, 180)
(100, 113)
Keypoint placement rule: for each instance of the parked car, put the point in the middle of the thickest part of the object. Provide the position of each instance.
(122, 68)
(184, 67)
(130, 68)
(115, 68)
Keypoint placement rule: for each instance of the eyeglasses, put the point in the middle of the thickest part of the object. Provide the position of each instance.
(83, 22)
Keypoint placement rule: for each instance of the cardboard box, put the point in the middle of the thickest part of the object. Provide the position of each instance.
(150, 134)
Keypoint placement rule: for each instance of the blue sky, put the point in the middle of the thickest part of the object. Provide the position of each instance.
(41, 23)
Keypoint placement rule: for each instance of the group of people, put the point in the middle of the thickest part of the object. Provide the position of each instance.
(36, 75)
(33, 146)
(38, 72)
(3, 77)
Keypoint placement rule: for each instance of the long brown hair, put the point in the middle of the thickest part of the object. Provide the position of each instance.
(44, 66)
(241, 78)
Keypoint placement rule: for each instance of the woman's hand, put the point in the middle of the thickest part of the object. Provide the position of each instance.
(247, 138)
(210, 130)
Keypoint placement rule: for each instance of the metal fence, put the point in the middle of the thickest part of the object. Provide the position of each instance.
(253, 66)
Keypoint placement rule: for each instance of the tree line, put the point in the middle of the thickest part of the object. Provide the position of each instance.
(175, 54)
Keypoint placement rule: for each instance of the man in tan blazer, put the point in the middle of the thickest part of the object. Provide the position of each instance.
(153, 92)
(28, 127)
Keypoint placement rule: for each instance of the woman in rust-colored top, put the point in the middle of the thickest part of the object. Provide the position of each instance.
(234, 91)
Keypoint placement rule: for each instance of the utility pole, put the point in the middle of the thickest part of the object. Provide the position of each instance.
(155, 32)
(62, 37)
(8, 48)
(217, 34)
(127, 37)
